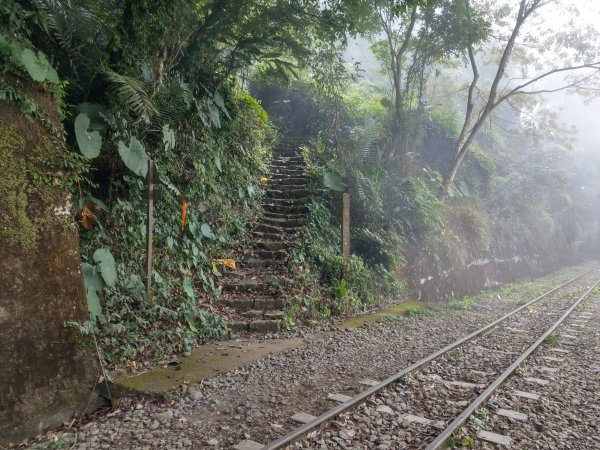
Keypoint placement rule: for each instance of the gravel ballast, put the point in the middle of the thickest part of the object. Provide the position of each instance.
(256, 401)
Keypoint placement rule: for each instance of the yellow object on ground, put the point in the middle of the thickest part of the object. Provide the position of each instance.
(263, 180)
(229, 263)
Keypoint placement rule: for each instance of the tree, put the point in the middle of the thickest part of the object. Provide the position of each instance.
(418, 36)
(579, 62)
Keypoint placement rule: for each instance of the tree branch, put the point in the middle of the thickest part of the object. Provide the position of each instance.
(518, 89)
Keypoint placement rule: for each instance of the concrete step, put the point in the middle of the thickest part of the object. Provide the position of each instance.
(287, 158)
(250, 304)
(246, 285)
(255, 262)
(274, 229)
(256, 326)
(279, 180)
(285, 209)
(282, 222)
(287, 193)
(286, 170)
(300, 201)
(272, 245)
(271, 254)
(259, 235)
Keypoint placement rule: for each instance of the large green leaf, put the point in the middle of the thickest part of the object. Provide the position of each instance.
(213, 113)
(218, 99)
(91, 277)
(134, 156)
(89, 142)
(168, 137)
(333, 181)
(37, 66)
(206, 231)
(188, 287)
(95, 114)
(106, 265)
(93, 303)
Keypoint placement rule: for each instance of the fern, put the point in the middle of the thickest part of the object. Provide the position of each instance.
(134, 93)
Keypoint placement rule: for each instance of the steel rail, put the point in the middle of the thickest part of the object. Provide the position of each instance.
(297, 433)
(485, 395)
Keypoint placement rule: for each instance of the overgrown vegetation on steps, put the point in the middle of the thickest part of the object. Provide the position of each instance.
(184, 84)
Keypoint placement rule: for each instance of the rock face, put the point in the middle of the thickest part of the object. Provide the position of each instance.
(46, 375)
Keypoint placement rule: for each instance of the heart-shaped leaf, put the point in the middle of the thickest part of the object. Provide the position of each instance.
(134, 156)
(89, 142)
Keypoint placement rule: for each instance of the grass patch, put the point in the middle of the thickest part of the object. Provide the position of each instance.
(552, 340)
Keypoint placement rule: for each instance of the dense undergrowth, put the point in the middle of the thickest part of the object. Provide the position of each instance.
(178, 82)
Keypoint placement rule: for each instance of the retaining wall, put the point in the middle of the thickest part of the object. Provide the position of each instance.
(46, 375)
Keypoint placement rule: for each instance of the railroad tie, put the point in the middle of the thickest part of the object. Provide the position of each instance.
(539, 381)
(495, 438)
(248, 445)
(553, 359)
(550, 370)
(511, 414)
(368, 382)
(569, 336)
(340, 398)
(558, 350)
(526, 395)
(465, 385)
(303, 418)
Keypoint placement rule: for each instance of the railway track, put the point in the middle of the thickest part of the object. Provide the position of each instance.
(424, 404)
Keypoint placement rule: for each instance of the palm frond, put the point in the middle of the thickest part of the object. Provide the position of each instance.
(134, 93)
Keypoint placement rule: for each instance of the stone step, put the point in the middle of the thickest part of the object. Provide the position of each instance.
(300, 201)
(249, 304)
(271, 254)
(257, 326)
(285, 209)
(285, 187)
(261, 314)
(267, 236)
(255, 262)
(243, 286)
(287, 158)
(272, 245)
(284, 180)
(284, 216)
(286, 165)
(282, 222)
(274, 229)
(286, 170)
(287, 193)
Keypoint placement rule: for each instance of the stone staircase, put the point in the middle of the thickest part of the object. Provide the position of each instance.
(251, 294)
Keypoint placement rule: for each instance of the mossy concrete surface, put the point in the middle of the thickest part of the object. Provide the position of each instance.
(46, 375)
(205, 362)
(213, 359)
(394, 311)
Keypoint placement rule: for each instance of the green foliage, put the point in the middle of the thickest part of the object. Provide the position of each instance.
(10, 93)
(134, 156)
(22, 59)
(333, 181)
(89, 142)
(106, 265)
(345, 287)
(258, 109)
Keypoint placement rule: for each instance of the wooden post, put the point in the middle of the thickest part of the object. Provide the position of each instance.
(346, 227)
(149, 228)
